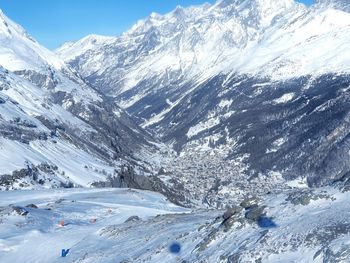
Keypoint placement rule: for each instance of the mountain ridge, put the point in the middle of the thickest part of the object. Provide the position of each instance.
(182, 51)
(211, 78)
(48, 111)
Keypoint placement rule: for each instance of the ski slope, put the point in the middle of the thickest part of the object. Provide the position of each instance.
(300, 225)
(39, 237)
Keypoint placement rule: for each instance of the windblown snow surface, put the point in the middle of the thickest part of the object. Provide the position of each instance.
(40, 237)
(124, 225)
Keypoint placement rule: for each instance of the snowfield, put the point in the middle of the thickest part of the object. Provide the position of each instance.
(124, 225)
(39, 237)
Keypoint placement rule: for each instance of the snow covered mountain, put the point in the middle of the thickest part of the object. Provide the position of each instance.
(278, 39)
(263, 83)
(55, 130)
(337, 4)
(235, 110)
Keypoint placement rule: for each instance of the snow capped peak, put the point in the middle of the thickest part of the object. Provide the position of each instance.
(273, 3)
(91, 39)
(251, 13)
(19, 51)
(343, 5)
(275, 38)
(70, 49)
(96, 38)
(255, 3)
(8, 27)
(179, 10)
(155, 15)
(2, 15)
(257, 12)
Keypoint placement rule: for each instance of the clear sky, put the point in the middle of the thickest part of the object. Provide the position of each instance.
(52, 22)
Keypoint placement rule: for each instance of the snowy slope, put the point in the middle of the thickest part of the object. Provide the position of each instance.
(38, 237)
(55, 130)
(20, 51)
(261, 83)
(33, 133)
(21, 54)
(338, 4)
(278, 39)
(297, 226)
(291, 233)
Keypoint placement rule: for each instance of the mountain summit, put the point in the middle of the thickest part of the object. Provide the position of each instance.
(274, 39)
(238, 78)
(338, 4)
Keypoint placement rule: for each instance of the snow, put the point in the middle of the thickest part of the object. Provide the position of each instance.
(33, 101)
(225, 103)
(69, 159)
(39, 238)
(20, 52)
(274, 39)
(297, 234)
(25, 102)
(298, 183)
(276, 145)
(88, 42)
(269, 38)
(284, 98)
(202, 126)
(29, 95)
(158, 117)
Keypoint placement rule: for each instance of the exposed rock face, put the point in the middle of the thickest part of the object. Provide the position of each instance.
(304, 197)
(231, 211)
(32, 206)
(255, 212)
(20, 210)
(41, 175)
(48, 80)
(249, 202)
(132, 219)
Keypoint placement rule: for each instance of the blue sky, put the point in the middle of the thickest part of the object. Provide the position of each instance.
(52, 22)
